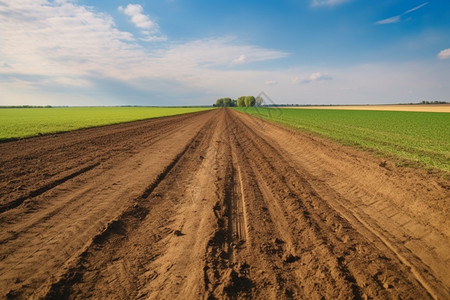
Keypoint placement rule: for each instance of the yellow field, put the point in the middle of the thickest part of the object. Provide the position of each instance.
(406, 107)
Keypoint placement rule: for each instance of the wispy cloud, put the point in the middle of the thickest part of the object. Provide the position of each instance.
(316, 3)
(137, 17)
(316, 76)
(415, 8)
(240, 60)
(153, 38)
(270, 82)
(394, 19)
(64, 53)
(48, 39)
(150, 29)
(67, 46)
(444, 54)
(397, 18)
(219, 52)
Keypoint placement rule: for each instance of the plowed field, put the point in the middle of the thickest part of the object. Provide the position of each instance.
(216, 205)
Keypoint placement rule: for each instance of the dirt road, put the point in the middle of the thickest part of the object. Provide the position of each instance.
(216, 205)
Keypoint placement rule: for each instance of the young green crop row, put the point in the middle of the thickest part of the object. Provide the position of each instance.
(422, 137)
(26, 122)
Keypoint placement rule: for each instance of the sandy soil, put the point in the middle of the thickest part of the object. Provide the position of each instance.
(216, 205)
(406, 107)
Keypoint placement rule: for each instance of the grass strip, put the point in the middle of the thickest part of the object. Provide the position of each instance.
(26, 122)
(422, 137)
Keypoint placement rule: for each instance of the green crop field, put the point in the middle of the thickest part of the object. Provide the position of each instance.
(422, 137)
(26, 122)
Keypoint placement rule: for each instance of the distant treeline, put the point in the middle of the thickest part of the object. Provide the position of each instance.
(306, 105)
(434, 102)
(66, 106)
(26, 106)
(243, 101)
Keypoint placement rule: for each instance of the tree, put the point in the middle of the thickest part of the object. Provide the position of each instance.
(225, 102)
(219, 102)
(249, 101)
(241, 101)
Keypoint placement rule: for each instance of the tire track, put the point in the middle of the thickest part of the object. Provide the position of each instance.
(33, 204)
(104, 247)
(88, 202)
(45, 188)
(34, 164)
(310, 210)
(239, 232)
(423, 276)
(372, 222)
(228, 215)
(225, 275)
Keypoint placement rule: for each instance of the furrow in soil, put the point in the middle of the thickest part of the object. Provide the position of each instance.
(216, 205)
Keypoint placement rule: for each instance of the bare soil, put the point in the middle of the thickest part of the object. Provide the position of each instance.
(216, 205)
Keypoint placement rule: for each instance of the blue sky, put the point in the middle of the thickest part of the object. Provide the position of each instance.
(186, 52)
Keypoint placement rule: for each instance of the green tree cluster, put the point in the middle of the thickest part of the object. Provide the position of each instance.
(246, 101)
(225, 102)
(250, 101)
(243, 101)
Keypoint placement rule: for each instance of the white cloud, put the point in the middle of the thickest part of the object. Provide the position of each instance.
(295, 79)
(149, 28)
(327, 2)
(390, 20)
(69, 45)
(415, 8)
(370, 83)
(270, 82)
(240, 60)
(4, 65)
(396, 19)
(70, 54)
(315, 76)
(16, 84)
(47, 39)
(217, 52)
(68, 81)
(140, 20)
(152, 38)
(444, 54)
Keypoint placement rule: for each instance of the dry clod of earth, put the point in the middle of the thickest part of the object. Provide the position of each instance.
(216, 205)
